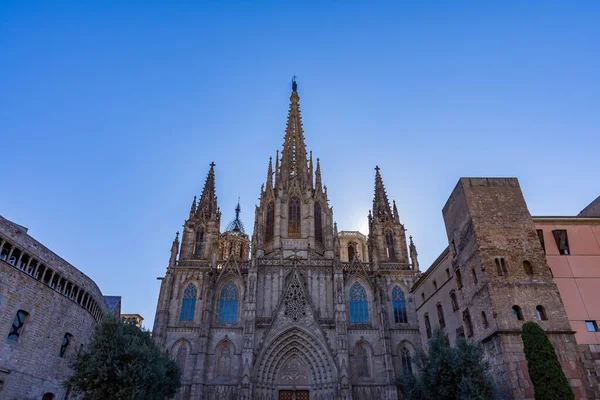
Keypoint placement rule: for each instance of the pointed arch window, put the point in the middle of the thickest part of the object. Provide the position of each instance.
(224, 361)
(188, 305)
(270, 223)
(294, 218)
(181, 355)
(359, 305)
(198, 243)
(318, 223)
(362, 353)
(399, 305)
(228, 306)
(350, 252)
(389, 243)
(406, 361)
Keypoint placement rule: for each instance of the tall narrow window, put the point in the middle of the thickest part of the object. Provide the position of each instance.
(17, 326)
(198, 243)
(350, 252)
(224, 361)
(541, 313)
(454, 301)
(562, 241)
(294, 218)
(458, 277)
(517, 313)
(406, 361)
(427, 326)
(359, 305)
(528, 267)
(440, 313)
(389, 243)
(362, 353)
(188, 305)
(181, 357)
(484, 320)
(228, 306)
(318, 223)
(65, 345)
(468, 324)
(399, 305)
(270, 225)
(540, 233)
(474, 273)
(501, 267)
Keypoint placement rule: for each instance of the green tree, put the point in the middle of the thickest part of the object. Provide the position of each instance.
(449, 373)
(545, 371)
(122, 362)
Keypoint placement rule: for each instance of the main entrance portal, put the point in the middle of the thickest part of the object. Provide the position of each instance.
(293, 395)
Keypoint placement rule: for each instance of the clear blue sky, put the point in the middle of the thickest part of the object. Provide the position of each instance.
(111, 113)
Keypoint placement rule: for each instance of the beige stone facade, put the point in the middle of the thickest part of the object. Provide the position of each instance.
(48, 310)
(299, 317)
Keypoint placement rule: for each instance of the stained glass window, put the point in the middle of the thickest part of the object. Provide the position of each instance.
(188, 305)
(359, 305)
(399, 304)
(17, 326)
(228, 307)
(406, 361)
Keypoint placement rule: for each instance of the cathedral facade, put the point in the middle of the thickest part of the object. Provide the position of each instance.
(299, 310)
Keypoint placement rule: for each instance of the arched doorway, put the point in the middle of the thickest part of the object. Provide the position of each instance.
(295, 366)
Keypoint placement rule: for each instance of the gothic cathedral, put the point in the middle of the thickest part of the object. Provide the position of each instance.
(300, 310)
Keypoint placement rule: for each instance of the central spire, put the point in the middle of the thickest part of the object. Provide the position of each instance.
(208, 201)
(381, 204)
(293, 157)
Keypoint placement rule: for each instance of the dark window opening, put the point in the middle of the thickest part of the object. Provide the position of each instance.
(517, 313)
(17, 326)
(65, 345)
(350, 252)
(406, 361)
(389, 242)
(474, 275)
(440, 313)
(427, 326)
(562, 241)
(528, 267)
(484, 320)
(198, 243)
(318, 223)
(453, 301)
(501, 267)
(541, 313)
(270, 225)
(294, 228)
(435, 285)
(468, 324)
(458, 278)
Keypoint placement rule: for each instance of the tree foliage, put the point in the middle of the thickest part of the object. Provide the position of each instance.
(545, 371)
(122, 362)
(449, 373)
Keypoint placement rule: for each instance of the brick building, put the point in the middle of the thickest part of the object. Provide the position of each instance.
(495, 275)
(48, 310)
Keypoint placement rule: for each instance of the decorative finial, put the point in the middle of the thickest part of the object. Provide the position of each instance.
(212, 164)
(294, 84)
(377, 168)
(177, 235)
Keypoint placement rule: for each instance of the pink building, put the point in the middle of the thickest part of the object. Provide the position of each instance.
(572, 246)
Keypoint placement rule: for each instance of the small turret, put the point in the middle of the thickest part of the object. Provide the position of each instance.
(174, 251)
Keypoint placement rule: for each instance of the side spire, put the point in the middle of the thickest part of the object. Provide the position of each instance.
(318, 182)
(193, 208)
(270, 175)
(293, 157)
(208, 201)
(381, 204)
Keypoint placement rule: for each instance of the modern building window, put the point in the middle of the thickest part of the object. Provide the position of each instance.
(427, 326)
(350, 252)
(228, 306)
(294, 218)
(484, 320)
(270, 225)
(440, 313)
(362, 353)
(517, 313)
(16, 330)
(592, 326)
(198, 243)
(453, 300)
(359, 305)
(406, 361)
(468, 323)
(528, 267)
(458, 278)
(399, 305)
(318, 223)
(65, 345)
(188, 305)
(562, 241)
(540, 234)
(540, 311)
(389, 242)
(474, 273)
